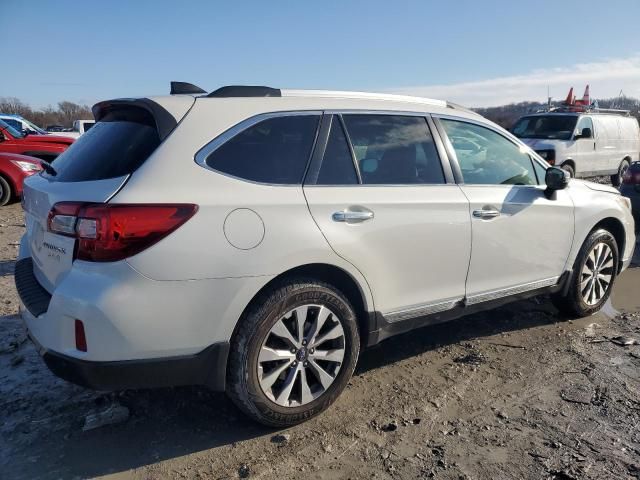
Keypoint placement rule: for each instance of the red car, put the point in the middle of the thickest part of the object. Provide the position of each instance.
(44, 147)
(13, 170)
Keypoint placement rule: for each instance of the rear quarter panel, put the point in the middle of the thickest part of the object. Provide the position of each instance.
(200, 249)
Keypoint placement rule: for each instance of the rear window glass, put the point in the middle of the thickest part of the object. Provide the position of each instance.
(394, 149)
(275, 150)
(115, 146)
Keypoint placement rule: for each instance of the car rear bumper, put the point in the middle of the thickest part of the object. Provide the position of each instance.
(140, 333)
(207, 367)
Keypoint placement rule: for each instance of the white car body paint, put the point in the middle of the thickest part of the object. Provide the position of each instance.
(422, 252)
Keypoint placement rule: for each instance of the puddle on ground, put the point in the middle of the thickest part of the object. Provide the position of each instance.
(626, 292)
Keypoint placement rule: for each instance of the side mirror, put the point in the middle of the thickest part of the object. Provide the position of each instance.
(556, 179)
(585, 133)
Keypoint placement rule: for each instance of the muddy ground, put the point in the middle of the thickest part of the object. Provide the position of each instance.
(515, 393)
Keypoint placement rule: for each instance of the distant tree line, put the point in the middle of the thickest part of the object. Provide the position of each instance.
(506, 115)
(63, 114)
(66, 112)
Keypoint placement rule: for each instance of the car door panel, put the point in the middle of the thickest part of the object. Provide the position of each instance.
(520, 238)
(414, 251)
(527, 243)
(399, 222)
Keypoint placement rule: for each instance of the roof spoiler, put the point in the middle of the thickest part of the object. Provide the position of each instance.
(165, 122)
(184, 88)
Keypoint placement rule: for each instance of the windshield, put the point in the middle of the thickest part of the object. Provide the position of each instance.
(12, 131)
(34, 127)
(558, 127)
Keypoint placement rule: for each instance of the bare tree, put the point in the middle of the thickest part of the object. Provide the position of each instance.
(65, 113)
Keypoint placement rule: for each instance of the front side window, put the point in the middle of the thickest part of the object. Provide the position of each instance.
(13, 123)
(584, 122)
(394, 149)
(540, 172)
(275, 150)
(487, 158)
(14, 132)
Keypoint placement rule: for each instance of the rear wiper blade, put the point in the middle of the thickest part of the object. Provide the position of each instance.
(48, 168)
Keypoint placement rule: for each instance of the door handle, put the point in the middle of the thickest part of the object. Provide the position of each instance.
(486, 214)
(350, 216)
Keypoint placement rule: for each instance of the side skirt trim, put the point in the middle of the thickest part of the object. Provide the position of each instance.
(506, 292)
(421, 310)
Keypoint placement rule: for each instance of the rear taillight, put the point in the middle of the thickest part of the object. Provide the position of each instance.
(110, 232)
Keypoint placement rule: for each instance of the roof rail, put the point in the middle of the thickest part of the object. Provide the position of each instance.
(590, 110)
(361, 95)
(245, 91)
(178, 88)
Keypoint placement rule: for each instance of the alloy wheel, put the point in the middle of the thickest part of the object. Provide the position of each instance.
(597, 274)
(301, 355)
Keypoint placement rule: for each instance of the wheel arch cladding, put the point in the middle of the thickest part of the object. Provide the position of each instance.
(615, 227)
(333, 275)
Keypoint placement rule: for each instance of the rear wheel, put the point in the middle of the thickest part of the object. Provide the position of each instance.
(293, 353)
(5, 192)
(594, 274)
(616, 180)
(569, 168)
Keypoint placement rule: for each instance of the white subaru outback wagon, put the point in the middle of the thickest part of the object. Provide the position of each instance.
(254, 240)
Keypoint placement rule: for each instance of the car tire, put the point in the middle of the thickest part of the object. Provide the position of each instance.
(271, 391)
(616, 180)
(588, 289)
(568, 168)
(5, 192)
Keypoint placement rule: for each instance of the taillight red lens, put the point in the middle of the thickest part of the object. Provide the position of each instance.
(111, 232)
(81, 338)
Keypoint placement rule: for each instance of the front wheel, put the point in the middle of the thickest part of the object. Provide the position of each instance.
(5, 192)
(594, 274)
(616, 180)
(568, 168)
(293, 353)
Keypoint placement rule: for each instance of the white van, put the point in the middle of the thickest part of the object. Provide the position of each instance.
(584, 144)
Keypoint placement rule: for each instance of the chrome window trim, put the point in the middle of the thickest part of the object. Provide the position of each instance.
(201, 155)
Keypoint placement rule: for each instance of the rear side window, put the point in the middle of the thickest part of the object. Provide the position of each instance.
(275, 150)
(394, 149)
(116, 146)
(337, 164)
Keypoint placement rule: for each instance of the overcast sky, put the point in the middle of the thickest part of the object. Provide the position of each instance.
(477, 53)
